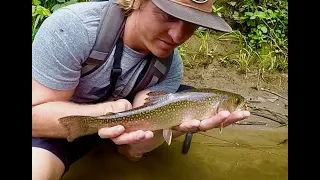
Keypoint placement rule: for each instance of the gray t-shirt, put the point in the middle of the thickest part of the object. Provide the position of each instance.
(63, 43)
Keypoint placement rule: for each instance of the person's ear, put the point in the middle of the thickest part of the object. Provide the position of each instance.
(136, 4)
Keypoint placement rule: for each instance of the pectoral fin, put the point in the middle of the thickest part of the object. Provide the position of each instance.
(221, 127)
(167, 135)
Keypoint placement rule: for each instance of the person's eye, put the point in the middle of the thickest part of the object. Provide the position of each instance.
(169, 18)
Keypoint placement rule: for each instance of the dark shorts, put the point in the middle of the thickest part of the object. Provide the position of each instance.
(69, 152)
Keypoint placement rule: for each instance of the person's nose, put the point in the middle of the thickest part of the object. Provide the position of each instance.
(178, 31)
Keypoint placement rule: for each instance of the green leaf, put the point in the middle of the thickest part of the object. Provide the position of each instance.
(243, 18)
(43, 11)
(248, 14)
(34, 32)
(260, 14)
(232, 3)
(36, 23)
(36, 2)
(236, 13)
(55, 7)
(61, 1)
(33, 10)
(250, 23)
(269, 11)
(70, 2)
(216, 9)
(260, 7)
(253, 17)
(264, 29)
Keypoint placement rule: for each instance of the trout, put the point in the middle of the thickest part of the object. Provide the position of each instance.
(161, 110)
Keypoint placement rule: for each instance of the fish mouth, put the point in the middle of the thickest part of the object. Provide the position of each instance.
(242, 107)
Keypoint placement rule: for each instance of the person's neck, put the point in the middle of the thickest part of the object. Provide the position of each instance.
(131, 37)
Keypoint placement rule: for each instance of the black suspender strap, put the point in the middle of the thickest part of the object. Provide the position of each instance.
(115, 72)
(144, 70)
(130, 96)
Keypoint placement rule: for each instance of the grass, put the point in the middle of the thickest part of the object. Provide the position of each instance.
(260, 34)
(207, 46)
(232, 49)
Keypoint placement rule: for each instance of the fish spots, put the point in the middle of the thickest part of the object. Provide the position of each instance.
(164, 114)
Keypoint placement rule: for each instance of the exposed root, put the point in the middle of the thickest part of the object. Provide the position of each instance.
(269, 114)
(283, 142)
(250, 123)
(269, 117)
(263, 89)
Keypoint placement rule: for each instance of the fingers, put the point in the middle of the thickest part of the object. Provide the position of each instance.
(189, 126)
(214, 121)
(118, 136)
(133, 137)
(116, 106)
(236, 116)
(222, 117)
(111, 132)
(121, 105)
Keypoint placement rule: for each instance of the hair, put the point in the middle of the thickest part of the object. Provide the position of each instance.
(127, 5)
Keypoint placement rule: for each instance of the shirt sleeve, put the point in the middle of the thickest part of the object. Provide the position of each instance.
(174, 77)
(58, 50)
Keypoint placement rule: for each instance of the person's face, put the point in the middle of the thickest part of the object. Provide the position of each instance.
(160, 32)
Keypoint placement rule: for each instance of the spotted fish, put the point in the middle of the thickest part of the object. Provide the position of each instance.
(161, 111)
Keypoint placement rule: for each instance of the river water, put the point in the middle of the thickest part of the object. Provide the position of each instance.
(237, 153)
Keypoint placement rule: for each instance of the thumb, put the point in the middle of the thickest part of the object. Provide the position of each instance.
(116, 106)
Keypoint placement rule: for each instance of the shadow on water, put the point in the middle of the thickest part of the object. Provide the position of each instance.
(234, 154)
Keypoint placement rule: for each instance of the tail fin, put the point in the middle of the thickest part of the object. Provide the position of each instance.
(76, 126)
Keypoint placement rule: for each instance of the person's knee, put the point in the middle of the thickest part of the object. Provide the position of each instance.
(46, 165)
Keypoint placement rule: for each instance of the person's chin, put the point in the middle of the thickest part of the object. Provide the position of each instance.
(162, 52)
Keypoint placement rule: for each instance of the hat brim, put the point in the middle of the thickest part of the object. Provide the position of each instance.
(208, 20)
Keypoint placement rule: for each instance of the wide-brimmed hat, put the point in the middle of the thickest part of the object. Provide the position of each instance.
(195, 11)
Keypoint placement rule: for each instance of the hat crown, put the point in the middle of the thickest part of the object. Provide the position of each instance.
(201, 5)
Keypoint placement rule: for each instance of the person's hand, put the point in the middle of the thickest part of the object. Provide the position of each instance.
(223, 117)
(136, 150)
(119, 137)
(117, 133)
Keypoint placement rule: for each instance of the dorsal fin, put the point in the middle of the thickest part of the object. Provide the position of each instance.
(157, 93)
(210, 90)
(126, 111)
(110, 113)
(155, 97)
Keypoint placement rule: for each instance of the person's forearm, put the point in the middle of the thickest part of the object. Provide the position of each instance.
(45, 117)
